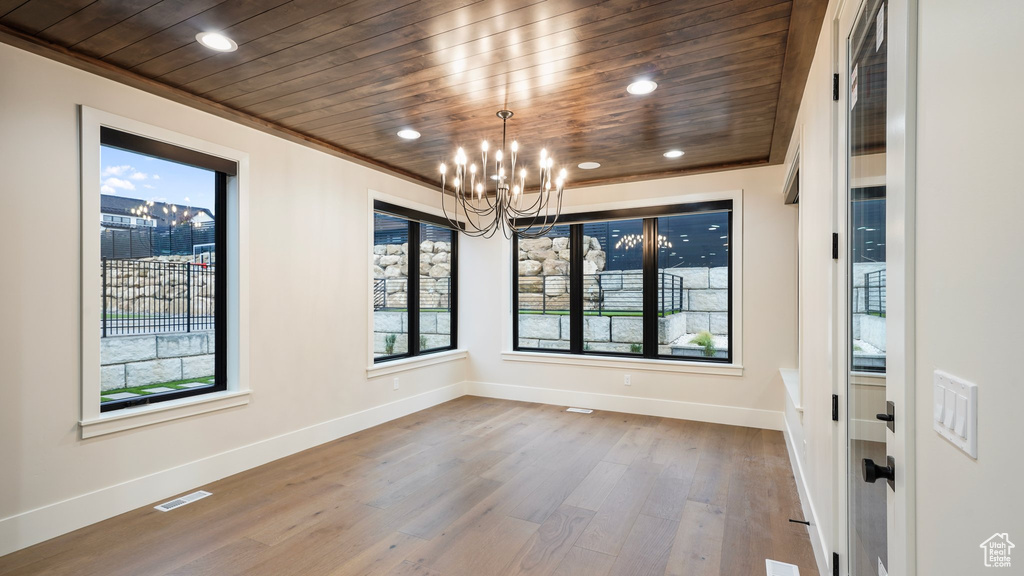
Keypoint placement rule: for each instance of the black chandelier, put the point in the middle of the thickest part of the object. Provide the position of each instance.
(484, 210)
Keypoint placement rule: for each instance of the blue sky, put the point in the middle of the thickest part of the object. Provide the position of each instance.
(132, 175)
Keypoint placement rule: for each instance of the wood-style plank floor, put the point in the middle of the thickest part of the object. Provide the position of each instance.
(474, 487)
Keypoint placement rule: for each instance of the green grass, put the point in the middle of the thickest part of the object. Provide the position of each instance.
(175, 384)
(705, 340)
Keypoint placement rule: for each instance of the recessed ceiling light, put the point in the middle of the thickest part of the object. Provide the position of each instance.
(673, 154)
(589, 165)
(408, 134)
(641, 87)
(217, 41)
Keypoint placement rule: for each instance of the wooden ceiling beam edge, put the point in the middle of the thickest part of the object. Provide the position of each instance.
(668, 174)
(804, 28)
(109, 71)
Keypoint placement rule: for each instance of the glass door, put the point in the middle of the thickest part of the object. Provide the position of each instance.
(866, 71)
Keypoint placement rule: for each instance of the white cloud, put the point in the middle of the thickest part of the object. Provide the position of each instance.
(107, 189)
(116, 170)
(147, 186)
(156, 176)
(119, 183)
(139, 176)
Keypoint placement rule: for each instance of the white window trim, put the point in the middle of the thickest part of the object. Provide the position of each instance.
(96, 423)
(648, 364)
(411, 363)
(735, 305)
(415, 361)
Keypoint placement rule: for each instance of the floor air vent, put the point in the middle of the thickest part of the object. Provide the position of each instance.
(179, 502)
(580, 410)
(776, 568)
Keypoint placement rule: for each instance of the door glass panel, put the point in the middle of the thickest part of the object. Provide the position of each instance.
(866, 73)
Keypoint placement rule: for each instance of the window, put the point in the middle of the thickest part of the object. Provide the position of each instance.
(649, 283)
(162, 324)
(543, 290)
(414, 290)
(116, 219)
(613, 284)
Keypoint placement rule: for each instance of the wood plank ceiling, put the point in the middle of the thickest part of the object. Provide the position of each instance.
(350, 74)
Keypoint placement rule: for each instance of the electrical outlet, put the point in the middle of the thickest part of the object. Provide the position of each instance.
(396, 382)
(626, 380)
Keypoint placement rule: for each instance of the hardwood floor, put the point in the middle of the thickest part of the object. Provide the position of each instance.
(474, 487)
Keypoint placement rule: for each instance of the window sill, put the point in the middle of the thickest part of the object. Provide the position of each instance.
(674, 366)
(139, 416)
(404, 364)
(791, 379)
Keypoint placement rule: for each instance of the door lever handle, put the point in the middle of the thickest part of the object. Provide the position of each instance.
(889, 417)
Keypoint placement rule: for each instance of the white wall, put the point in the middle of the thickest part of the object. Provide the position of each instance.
(309, 329)
(769, 325)
(970, 269)
(812, 432)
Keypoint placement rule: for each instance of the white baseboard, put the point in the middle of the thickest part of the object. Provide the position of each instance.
(28, 528)
(817, 537)
(767, 419)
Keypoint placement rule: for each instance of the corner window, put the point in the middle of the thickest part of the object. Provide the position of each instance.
(162, 323)
(642, 283)
(414, 282)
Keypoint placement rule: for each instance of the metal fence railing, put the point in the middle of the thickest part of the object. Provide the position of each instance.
(435, 293)
(145, 242)
(605, 293)
(141, 297)
(874, 293)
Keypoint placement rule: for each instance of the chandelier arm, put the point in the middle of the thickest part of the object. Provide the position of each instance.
(468, 206)
(548, 227)
(540, 201)
(544, 201)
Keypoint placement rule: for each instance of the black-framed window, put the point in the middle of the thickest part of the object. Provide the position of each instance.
(414, 283)
(644, 283)
(162, 324)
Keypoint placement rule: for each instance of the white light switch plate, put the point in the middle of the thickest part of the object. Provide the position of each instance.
(955, 411)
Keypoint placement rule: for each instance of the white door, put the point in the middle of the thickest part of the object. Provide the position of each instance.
(874, 219)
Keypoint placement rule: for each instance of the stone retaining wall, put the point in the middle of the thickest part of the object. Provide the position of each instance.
(601, 333)
(706, 298)
(435, 327)
(161, 285)
(128, 361)
(391, 262)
